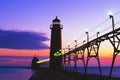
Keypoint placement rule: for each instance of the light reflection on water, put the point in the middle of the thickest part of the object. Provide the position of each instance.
(16, 67)
(19, 72)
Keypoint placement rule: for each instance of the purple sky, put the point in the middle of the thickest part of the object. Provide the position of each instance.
(31, 16)
(37, 15)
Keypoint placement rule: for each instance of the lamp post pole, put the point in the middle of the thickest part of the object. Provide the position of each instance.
(87, 51)
(114, 55)
(111, 17)
(98, 33)
(68, 47)
(87, 36)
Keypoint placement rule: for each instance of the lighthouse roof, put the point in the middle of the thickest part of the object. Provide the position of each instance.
(56, 20)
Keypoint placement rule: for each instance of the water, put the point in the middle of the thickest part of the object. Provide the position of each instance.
(16, 67)
(15, 74)
(95, 70)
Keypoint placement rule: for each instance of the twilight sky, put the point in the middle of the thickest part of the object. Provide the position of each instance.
(33, 17)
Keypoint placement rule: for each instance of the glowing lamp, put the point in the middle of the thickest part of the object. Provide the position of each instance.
(84, 41)
(98, 30)
(68, 45)
(110, 14)
(86, 31)
(75, 40)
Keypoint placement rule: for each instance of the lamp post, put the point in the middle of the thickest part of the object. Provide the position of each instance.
(114, 55)
(75, 40)
(113, 25)
(98, 32)
(86, 31)
(68, 45)
(111, 17)
(88, 52)
(84, 42)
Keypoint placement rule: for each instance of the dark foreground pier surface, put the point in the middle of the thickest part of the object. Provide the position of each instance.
(46, 74)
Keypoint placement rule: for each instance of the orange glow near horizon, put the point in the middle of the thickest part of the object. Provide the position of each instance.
(13, 52)
(105, 51)
(105, 55)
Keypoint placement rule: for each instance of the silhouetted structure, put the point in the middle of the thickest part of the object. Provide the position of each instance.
(92, 47)
(55, 46)
(34, 65)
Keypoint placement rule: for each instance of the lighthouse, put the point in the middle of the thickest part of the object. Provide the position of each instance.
(56, 45)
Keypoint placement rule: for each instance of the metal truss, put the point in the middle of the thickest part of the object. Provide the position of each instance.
(93, 48)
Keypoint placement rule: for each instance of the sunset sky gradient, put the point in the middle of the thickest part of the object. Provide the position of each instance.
(25, 24)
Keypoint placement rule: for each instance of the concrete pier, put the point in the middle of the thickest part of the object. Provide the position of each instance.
(46, 74)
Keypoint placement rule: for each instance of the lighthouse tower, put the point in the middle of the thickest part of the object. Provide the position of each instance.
(55, 45)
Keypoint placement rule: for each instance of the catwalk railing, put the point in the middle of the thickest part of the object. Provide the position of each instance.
(93, 50)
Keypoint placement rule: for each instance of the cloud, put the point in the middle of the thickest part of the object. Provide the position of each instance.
(22, 40)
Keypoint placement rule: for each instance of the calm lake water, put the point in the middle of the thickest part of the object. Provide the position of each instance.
(15, 74)
(105, 71)
(17, 68)
(95, 70)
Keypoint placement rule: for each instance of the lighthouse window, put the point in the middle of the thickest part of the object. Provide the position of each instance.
(56, 22)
